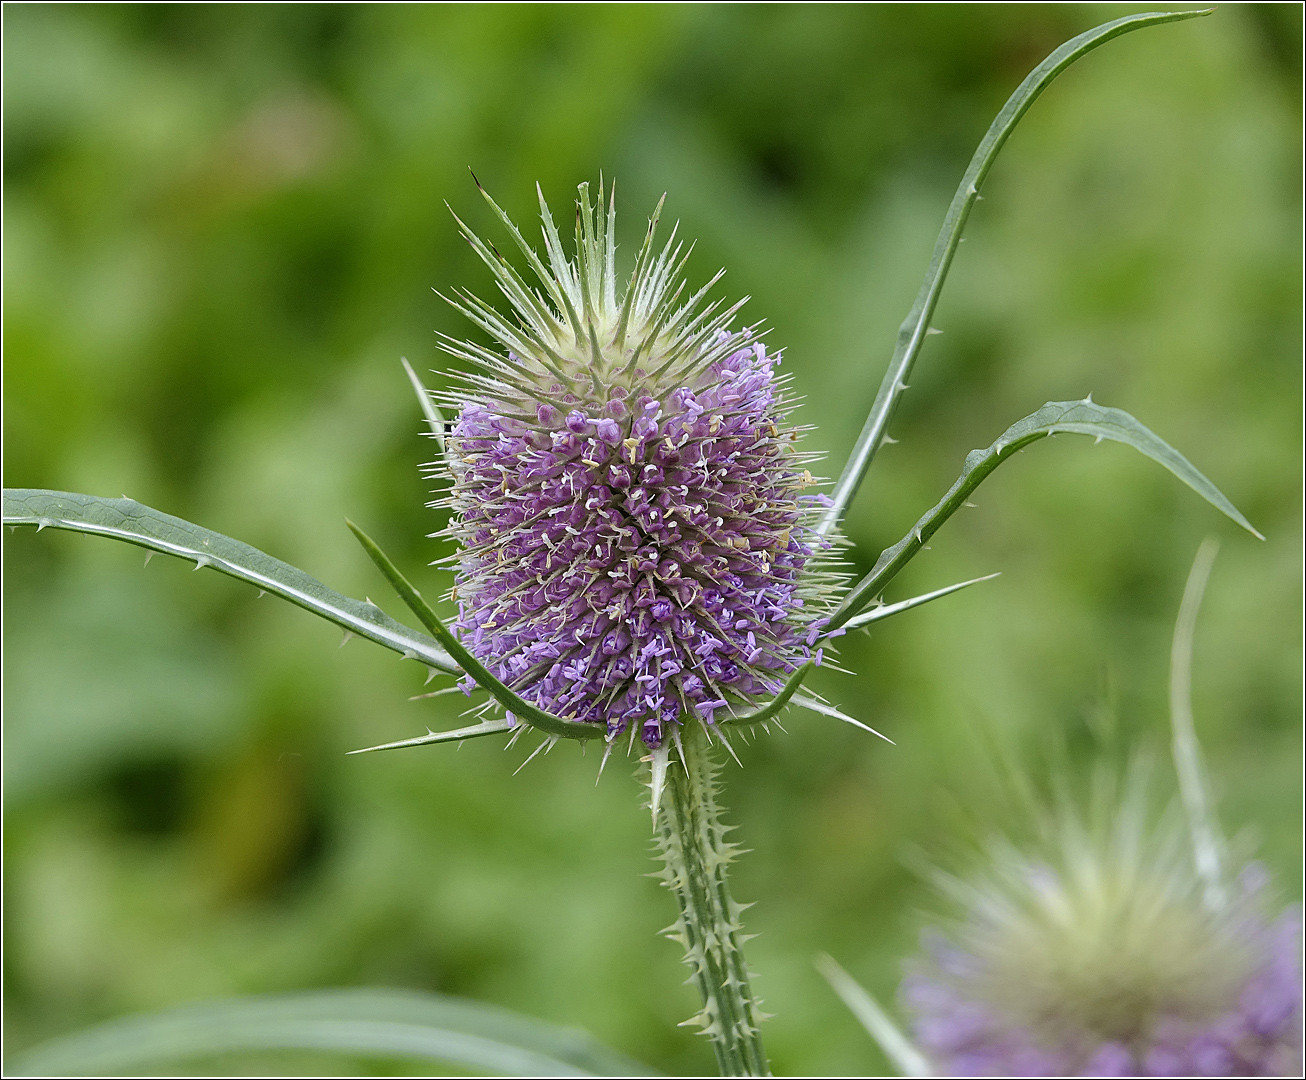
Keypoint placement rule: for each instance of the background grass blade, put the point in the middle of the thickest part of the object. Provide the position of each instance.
(1080, 417)
(130, 521)
(912, 333)
(1203, 827)
(899, 1049)
(390, 1023)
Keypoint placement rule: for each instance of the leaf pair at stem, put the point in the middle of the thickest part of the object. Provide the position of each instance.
(125, 519)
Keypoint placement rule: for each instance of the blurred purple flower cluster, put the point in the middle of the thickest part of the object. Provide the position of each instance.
(968, 1024)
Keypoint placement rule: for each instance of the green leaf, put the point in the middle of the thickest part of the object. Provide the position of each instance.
(391, 1023)
(509, 699)
(916, 327)
(127, 520)
(1081, 417)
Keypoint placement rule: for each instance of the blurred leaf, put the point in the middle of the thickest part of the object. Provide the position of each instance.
(1080, 417)
(80, 696)
(391, 1023)
(127, 520)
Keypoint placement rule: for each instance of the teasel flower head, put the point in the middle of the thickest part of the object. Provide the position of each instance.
(1109, 957)
(633, 512)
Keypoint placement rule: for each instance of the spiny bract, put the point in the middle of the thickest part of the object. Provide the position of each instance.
(627, 491)
(1106, 960)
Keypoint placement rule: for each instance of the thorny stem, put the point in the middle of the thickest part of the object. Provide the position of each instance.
(691, 842)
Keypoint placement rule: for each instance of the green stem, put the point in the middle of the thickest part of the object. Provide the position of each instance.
(691, 839)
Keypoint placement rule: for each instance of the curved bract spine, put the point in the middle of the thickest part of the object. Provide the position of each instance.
(517, 705)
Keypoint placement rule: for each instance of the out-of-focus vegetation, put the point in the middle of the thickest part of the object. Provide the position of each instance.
(222, 228)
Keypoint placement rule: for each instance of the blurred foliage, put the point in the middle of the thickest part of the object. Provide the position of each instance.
(222, 227)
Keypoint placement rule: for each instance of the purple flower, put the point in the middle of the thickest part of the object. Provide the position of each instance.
(627, 494)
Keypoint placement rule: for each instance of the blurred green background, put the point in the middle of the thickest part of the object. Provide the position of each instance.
(222, 228)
